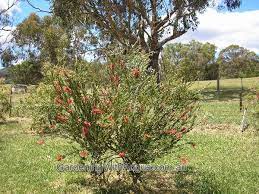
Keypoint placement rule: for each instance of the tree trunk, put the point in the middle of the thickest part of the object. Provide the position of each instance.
(154, 64)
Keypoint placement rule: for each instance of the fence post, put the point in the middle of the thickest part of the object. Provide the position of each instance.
(11, 105)
(241, 96)
(240, 101)
(242, 87)
(218, 89)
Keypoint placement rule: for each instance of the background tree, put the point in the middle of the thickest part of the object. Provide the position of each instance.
(236, 61)
(32, 35)
(192, 61)
(7, 57)
(27, 72)
(148, 23)
(47, 40)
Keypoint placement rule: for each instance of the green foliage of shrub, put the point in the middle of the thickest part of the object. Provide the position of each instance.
(4, 104)
(37, 105)
(116, 112)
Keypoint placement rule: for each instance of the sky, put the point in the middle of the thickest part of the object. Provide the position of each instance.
(221, 28)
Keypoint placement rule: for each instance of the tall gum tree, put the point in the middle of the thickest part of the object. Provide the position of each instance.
(147, 23)
(6, 25)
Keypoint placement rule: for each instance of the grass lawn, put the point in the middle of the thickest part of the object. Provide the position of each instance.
(223, 160)
(228, 84)
(230, 88)
(220, 162)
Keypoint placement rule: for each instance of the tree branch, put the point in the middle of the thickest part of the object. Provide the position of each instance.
(8, 7)
(37, 8)
(175, 35)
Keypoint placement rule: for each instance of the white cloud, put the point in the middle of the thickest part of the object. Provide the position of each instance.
(225, 28)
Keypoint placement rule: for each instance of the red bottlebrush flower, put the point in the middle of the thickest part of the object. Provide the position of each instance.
(85, 99)
(67, 89)
(178, 135)
(87, 124)
(142, 109)
(115, 79)
(184, 161)
(52, 126)
(257, 95)
(40, 142)
(110, 118)
(67, 74)
(171, 132)
(102, 125)
(184, 130)
(135, 72)
(59, 157)
(122, 154)
(193, 145)
(183, 114)
(122, 64)
(70, 101)
(184, 118)
(85, 131)
(83, 154)
(61, 118)
(126, 119)
(104, 92)
(97, 111)
(70, 111)
(58, 101)
(147, 136)
(57, 86)
(79, 120)
(111, 66)
(166, 132)
(41, 131)
(108, 102)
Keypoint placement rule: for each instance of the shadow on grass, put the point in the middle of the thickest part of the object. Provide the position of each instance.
(191, 181)
(225, 95)
(2, 122)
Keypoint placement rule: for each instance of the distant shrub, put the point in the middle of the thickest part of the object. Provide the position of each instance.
(37, 105)
(27, 72)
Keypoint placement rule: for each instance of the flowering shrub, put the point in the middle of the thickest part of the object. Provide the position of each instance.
(120, 115)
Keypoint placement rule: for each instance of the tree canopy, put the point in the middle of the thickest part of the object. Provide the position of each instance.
(192, 61)
(45, 39)
(27, 72)
(147, 23)
(200, 61)
(236, 61)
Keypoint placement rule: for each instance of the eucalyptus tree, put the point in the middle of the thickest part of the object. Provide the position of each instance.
(236, 61)
(147, 23)
(191, 61)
